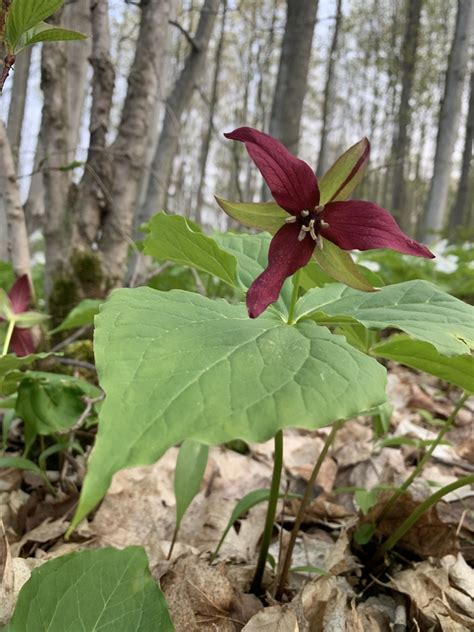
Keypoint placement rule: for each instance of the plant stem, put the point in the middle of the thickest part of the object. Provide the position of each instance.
(256, 586)
(173, 541)
(8, 337)
(304, 503)
(421, 464)
(408, 523)
(294, 297)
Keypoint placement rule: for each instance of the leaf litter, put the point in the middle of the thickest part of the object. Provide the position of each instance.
(428, 587)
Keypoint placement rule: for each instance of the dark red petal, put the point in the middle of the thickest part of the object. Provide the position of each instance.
(286, 255)
(361, 225)
(19, 294)
(22, 342)
(292, 182)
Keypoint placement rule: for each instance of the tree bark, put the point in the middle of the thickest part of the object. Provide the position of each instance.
(292, 77)
(460, 211)
(54, 142)
(76, 16)
(328, 92)
(210, 120)
(11, 211)
(129, 148)
(16, 111)
(434, 215)
(401, 140)
(175, 105)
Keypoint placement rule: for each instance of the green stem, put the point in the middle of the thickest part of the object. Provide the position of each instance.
(294, 297)
(304, 503)
(8, 337)
(408, 523)
(271, 512)
(421, 464)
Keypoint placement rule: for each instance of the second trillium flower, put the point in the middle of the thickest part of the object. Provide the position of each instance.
(350, 224)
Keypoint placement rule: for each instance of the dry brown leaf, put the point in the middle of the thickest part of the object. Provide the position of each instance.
(376, 614)
(437, 593)
(273, 619)
(430, 536)
(45, 532)
(200, 597)
(324, 603)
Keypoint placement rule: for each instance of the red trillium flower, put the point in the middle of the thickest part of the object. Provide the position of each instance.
(351, 225)
(21, 341)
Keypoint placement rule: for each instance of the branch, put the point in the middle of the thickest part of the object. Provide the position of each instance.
(186, 34)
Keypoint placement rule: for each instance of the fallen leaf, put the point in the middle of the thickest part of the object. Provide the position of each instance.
(273, 619)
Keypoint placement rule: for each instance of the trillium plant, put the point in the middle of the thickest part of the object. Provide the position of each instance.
(19, 321)
(351, 225)
(183, 368)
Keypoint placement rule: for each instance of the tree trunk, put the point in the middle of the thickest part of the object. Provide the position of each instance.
(76, 16)
(175, 105)
(292, 77)
(460, 211)
(11, 211)
(328, 92)
(54, 139)
(210, 120)
(16, 111)
(401, 140)
(91, 197)
(129, 148)
(434, 216)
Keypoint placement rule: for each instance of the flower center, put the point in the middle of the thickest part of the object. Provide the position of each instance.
(310, 221)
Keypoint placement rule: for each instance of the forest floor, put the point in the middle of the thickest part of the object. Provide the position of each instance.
(426, 585)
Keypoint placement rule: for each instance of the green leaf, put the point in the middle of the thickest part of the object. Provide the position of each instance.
(364, 533)
(338, 264)
(177, 366)
(251, 253)
(50, 403)
(244, 505)
(416, 307)
(190, 466)
(19, 463)
(6, 309)
(103, 589)
(44, 32)
(266, 216)
(310, 569)
(175, 238)
(24, 15)
(345, 174)
(458, 370)
(81, 315)
(366, 499)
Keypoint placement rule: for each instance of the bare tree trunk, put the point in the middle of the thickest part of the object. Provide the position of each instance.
(129, 148)
(175, 106)
(54, 139)
(16, 111)
(434, 216)
(76, 16)
(210, 120)
(11, 211)
(328, 92)
(93, 191)
(459, 213)
(401, 140)
(292, 78)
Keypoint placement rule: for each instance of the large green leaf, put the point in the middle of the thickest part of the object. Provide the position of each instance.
(103, 589)
(177, 366)
(175, 238)
(458, 370)
(345, 174)
(25, 14)
(188, 475)
(251, 252)
(44, 32)
(416, 307)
